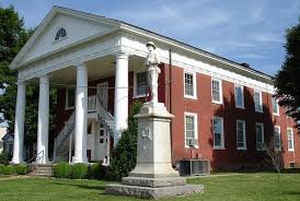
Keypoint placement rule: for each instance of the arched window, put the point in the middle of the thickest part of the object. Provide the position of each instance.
(61, 33)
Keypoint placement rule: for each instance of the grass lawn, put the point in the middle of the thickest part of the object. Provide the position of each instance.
(246, 187)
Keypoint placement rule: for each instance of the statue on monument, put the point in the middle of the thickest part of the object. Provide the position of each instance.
(153, 70)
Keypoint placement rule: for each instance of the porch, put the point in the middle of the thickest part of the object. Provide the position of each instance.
(95, 122)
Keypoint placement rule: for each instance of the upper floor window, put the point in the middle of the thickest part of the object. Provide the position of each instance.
(191, 130)
(60, 34)
(140, 84)
(258, 101)
(275, 106)
(70, 98)
(290, 136)
(259, 136)
(218, 133)
(241, 135)
(277, 138)
(239, 96)
(216, 91)
(190, 85)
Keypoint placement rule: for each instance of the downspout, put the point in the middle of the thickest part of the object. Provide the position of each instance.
(170, 98)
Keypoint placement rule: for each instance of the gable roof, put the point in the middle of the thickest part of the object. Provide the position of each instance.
(122, 25)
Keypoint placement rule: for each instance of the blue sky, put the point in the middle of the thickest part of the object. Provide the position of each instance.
(245, 31)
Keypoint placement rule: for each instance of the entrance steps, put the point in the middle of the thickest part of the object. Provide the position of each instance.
(45, 170)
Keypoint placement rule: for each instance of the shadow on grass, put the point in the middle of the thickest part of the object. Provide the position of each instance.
(83, 186)
(291, 192)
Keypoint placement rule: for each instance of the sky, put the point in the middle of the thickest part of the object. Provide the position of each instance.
(250, 31)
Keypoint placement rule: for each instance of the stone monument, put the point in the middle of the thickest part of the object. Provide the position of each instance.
(153, 176)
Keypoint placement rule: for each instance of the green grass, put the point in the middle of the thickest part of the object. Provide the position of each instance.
(246, 187)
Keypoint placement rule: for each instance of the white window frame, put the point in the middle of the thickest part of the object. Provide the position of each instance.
(67, 107)
(293, 139)
(260, 100)
(244, 135)
(278, 149)
(235, 97)
(262, 137)
(221, 91)
(222, 146)
(275, 113)
(195, 115)
(194, 85)
(135, 86)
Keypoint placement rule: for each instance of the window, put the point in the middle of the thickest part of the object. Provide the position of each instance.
(277, 139)
(218, 133)
(191, 131)
(216, 91)
(190, 85)
(239, 96)
(290, 136)
(61, 33)
(140, 84)
(275, 106)
(258, 101)
(70, 98)
(259, 136)
(241, 135)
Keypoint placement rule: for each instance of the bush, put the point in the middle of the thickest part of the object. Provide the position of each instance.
(21, 169)
(4, 158)
(9, 170)
(97, 171)
(123, 158)
(80, 171)
(1, 169)
(62, 170)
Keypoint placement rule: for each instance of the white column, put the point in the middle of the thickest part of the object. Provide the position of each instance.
(121, 95)
(19, 124)
(43, 121)
(81, 115)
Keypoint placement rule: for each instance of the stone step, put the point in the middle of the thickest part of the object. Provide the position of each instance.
(42, 170)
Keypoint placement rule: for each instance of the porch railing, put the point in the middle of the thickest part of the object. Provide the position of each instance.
(92, 103)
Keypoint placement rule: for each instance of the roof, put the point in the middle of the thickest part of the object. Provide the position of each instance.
(130, 27)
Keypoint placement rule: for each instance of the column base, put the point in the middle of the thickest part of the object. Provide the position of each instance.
(78, 160)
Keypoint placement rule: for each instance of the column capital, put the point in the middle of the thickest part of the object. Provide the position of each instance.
(80, 66)
(44, 79)
(121, 54)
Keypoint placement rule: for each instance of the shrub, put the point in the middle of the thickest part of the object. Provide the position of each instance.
(21, 169)
(80, 171)
(9, 170)
(62, 170)
(1, 169)
(4, 158)
(123, 158)
(97, 171)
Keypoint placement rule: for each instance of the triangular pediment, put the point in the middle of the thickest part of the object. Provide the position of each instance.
(78, 26)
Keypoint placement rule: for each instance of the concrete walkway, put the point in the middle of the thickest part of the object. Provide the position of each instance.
(215, 175)
(14, 177)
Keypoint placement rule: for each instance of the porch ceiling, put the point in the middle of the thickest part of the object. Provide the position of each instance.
(97, 69)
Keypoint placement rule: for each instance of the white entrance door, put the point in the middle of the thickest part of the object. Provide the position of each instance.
(102, 92)
(102, 145)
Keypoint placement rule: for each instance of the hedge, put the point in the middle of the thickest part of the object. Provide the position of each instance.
(62, 170)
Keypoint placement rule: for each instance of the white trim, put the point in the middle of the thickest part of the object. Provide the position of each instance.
(67, 107)
(195, 115)
(262, 137)
(293, 139)
(235, 97)
(222, 146)
(194, 85)
(220, 92)
(260, 101)
(278, 109)
(244, 135)
(135, 85)
(280, 143)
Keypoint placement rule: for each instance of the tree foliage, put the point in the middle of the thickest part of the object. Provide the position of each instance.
(123, 157)
(287, 79)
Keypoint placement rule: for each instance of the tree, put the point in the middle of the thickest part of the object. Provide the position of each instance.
(13, 36)
(123, 157)
(287, 79)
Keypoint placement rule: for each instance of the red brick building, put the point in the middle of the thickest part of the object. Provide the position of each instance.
(224, 111)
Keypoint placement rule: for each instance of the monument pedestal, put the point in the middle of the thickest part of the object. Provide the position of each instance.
(153, 176)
